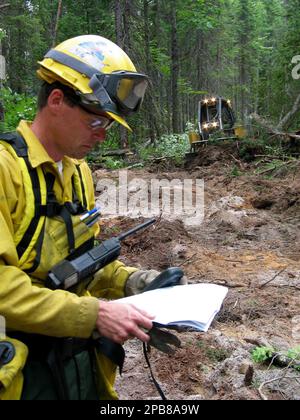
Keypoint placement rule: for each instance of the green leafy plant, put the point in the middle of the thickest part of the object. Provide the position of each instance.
(262, 354)
(217, 354)
(249, 149)
(172, 146)
(190, 127)
(16, 107)
(289, 358)
(111, 163)
(2, 33)
(294, 353)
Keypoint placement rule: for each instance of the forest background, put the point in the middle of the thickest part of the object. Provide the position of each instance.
(245, 50)
(249, 52)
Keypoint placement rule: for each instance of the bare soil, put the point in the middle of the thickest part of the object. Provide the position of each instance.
(250, 242)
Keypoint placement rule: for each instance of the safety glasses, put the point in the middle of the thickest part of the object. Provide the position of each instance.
(100, 122)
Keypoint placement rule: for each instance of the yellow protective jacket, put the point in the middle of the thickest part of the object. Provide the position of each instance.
(26, 305)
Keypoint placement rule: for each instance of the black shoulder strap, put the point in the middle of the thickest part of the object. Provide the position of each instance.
(21, 149)
(84, 201)
(17, 142)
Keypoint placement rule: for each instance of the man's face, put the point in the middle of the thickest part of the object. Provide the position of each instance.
(72, 130)
(81, 130)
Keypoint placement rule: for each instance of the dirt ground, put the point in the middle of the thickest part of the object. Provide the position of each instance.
(248, 241)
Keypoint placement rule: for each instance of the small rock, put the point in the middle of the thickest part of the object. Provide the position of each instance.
(179, 251)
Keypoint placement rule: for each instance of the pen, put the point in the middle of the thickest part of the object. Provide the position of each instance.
(88, 213)
(93, 217)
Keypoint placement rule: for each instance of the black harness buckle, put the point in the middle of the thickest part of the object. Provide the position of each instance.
(7, 352)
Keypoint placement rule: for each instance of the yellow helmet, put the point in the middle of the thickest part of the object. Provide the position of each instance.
(100, 72)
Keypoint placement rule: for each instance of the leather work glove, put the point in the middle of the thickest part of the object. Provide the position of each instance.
(137, 283)
(139, 280)
(163, 340)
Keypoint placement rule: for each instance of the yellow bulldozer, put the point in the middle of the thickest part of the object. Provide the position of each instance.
(216, 121)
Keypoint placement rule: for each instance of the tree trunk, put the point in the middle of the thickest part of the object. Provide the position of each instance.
(245, 54)
(200, 82)
(120, 36)
(126, 24)
(148, 99)
(158, 81)
(175, 69)
(58, 14)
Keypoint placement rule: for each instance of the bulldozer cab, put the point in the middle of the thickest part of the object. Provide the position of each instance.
(216, 121)
(215, 115)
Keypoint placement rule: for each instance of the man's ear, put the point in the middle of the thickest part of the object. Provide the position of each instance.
(55, 100)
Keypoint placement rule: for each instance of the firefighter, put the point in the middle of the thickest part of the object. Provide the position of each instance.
(88, 84)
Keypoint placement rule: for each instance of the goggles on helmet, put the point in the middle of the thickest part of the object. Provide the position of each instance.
(119, 92)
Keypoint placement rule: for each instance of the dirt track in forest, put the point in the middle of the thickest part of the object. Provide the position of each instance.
(249, 241)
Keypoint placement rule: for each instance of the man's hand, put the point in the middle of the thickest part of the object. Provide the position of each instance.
(120, 322)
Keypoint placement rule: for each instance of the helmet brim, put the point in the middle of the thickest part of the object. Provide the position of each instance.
(119, 119)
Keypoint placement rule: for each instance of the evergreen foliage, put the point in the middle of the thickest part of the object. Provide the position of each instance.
(242, 49)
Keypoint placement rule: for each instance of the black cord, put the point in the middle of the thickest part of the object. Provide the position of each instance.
(157, 386)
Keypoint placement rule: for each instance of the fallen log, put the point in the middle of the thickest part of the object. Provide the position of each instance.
(118, 152)
(267, 125)
(158, 159)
